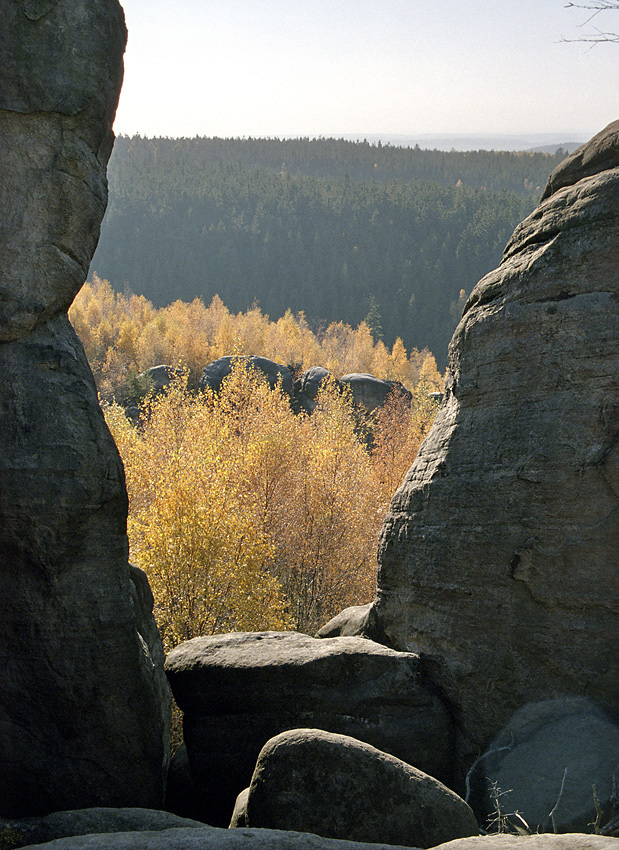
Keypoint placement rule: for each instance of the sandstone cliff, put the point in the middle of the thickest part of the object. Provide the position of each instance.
(498, 560)
(82, 696)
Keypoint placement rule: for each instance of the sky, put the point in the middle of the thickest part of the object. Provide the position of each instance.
(289, 68)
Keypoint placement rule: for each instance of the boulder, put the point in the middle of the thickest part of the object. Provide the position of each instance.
(498, 556)
(215, 372)
(532, 842)
(547, 761)
(264, 839)
(369, 392)
(84, 705)
(239, 813)
(239, 690)
(96, 820)
(209, 838)
(356, 621)
(333, 785)
(307, 387)
(158, 378)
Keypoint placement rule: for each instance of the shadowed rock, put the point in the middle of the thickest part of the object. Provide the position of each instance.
(267, 839)
(369, 392)
(275, 373)
(547, 761)
(210, 838)
(333, 785)
(60, 77)
(97, 820)
(83, 700)
(308, 386)
(238, 690)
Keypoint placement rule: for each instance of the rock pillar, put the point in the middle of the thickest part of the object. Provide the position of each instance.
(499, 558)
(83, 701)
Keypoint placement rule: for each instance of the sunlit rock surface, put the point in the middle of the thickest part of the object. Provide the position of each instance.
(498, 560)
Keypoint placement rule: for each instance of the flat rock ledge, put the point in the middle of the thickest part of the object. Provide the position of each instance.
(239, 690)
(212, 838)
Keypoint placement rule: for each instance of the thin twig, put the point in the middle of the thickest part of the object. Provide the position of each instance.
(598, 813)
(467, 781)
(554, 808)
(595, 8)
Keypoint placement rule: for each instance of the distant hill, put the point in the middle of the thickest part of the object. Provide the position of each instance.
(568, 147)
(339, 230)
(533, 142)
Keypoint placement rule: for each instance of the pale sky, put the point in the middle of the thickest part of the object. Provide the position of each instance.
(286, 68)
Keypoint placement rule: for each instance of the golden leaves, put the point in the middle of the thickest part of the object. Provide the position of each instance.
(248, 517)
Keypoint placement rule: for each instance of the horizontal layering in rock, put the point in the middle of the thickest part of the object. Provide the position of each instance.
(498, 560)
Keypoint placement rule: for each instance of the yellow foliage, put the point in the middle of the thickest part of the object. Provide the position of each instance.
(246, 516)
(398, 431)
(429, 375)
(191, 524)
(192, 335)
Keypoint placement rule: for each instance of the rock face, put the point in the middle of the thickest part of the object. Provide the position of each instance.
(335, 786)
(498, 560)
(548, 759)
(215, 372)
(369, 392)
(60, 77)
(97, 821)
(210, 838)
(239, 690)
(307, 387)
(159, 378)
(83, 700)
(359, 620)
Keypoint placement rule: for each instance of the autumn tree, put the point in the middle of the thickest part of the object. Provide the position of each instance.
(244, 515)
(124, 334)
(189, 524)
(399, 428)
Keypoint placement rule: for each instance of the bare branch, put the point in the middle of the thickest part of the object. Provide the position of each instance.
(596, 7)
(551, 814)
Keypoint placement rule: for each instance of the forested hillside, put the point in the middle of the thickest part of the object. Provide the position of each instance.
(343, 231)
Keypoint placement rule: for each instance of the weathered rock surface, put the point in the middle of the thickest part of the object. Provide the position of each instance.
(333, 785)
(83, 699)
(97, 820)
(549, 758)
(183, 797)
(307, 387)
(239, 813)
(532, 842)
(210, 838)
(264, 839)
(275, 373)
(370, 392)
(60, 77)
(239, 690)
(358, 620)
(498, 558)
(158, 378)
